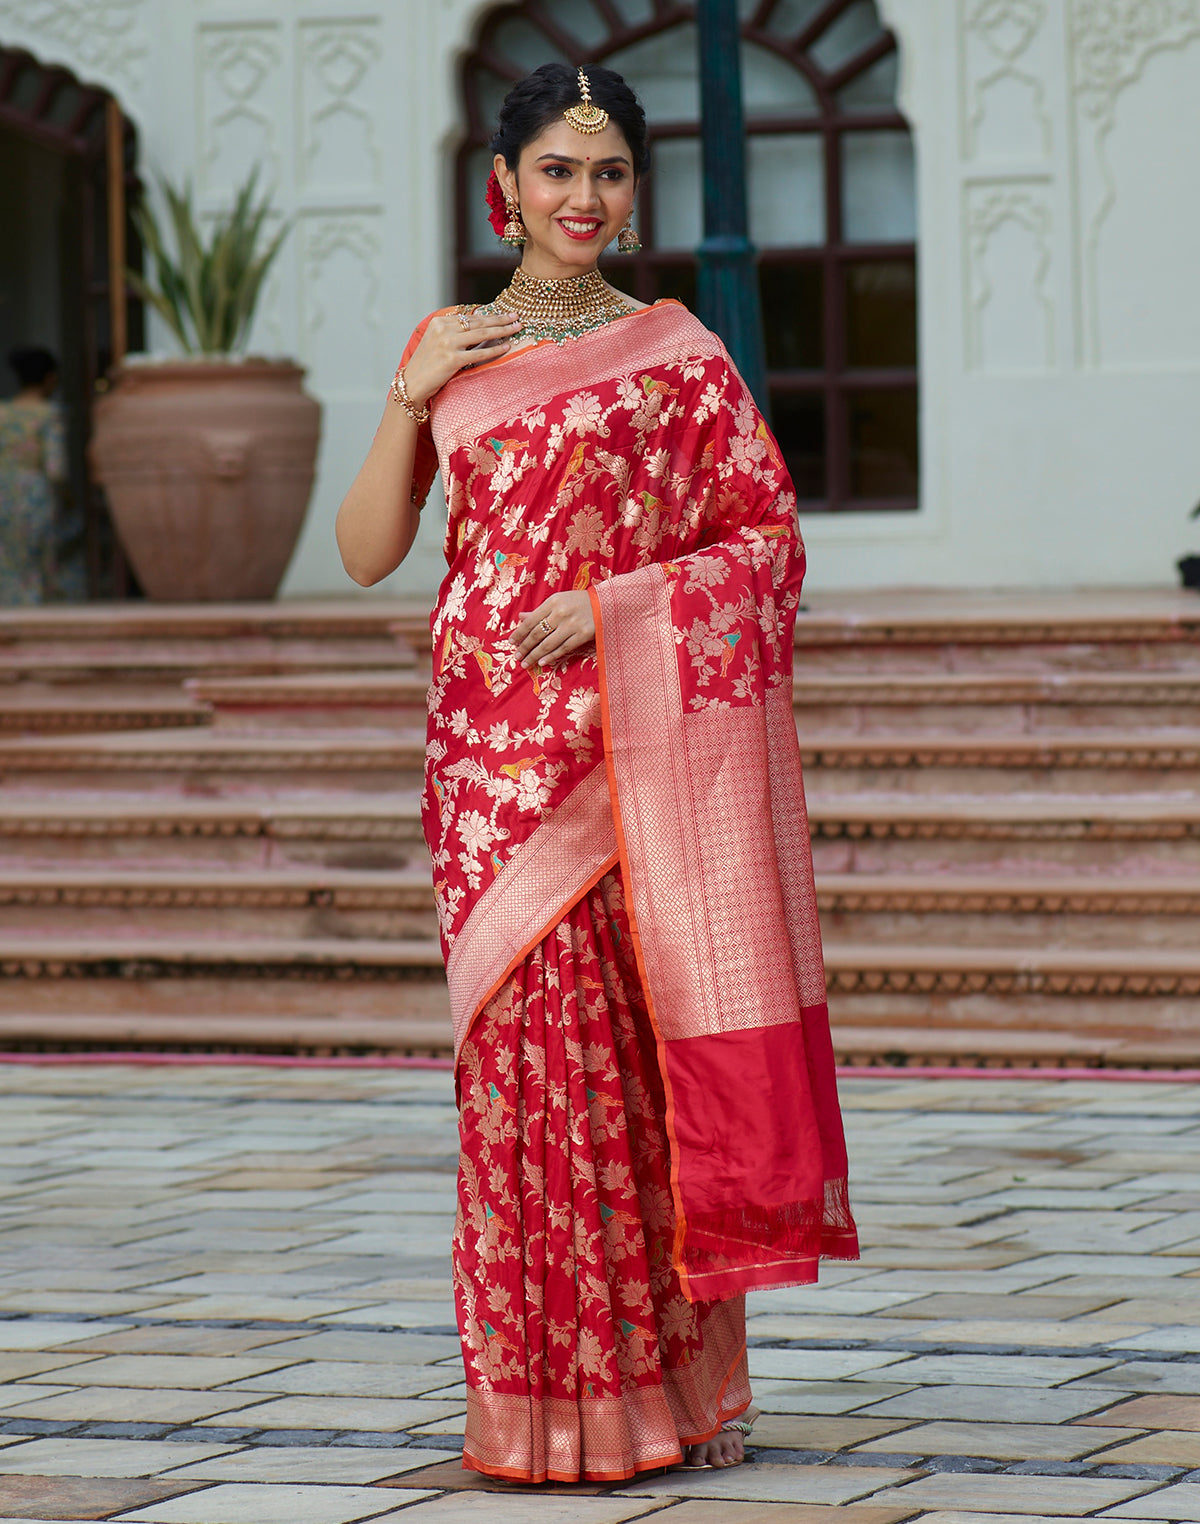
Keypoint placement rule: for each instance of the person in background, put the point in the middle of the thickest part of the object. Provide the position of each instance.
(33, 468)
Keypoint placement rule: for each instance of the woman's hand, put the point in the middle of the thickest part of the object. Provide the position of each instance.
(567, 617)
(453, 341)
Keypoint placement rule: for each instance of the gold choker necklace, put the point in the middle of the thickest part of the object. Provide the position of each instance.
(559, 309)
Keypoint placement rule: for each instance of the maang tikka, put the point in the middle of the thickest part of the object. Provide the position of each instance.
(586, 116)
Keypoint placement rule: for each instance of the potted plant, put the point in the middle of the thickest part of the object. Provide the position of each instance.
(207, 459)
(1189, 566)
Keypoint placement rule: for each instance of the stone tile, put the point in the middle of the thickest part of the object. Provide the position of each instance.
(975, 1491)
(1148, 1376)
(452, 1476)
(819, 1364)
(1154, 1411)
(133, 1405)
(784, 1396)
(73, 1497)
(17, 1394)
(38, 1334)
(1016, 1305)
(1170, 1447)
(181, 1339)
(492, 1508)
(1000, 1404)
(725, 1512)
(280, 1309)
(188, 1372)
(350, 1378)
(996, 1370)
(384, 1414)
(1027, 1333)
(767, 1482)
(103, 1457)
(379, 1348)
(1003, 1441)
(308, 1463)
(795, 1431)
(1179, 1502)
(262, 1503)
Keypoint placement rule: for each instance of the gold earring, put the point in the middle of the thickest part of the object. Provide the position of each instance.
(628, 241)
(514, 229)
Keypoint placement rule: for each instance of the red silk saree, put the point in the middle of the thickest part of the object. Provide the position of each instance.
(649, 1115)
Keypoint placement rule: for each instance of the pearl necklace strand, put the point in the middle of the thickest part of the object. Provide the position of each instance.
(559, 309)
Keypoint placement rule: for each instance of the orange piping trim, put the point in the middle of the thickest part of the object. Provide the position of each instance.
(659, 1041)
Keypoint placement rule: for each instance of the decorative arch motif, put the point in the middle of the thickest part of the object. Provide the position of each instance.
(832, 205)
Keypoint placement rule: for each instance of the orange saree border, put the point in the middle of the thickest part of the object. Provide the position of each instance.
(574, 845)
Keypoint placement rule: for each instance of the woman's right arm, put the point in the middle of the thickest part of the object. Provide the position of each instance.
(377, 521)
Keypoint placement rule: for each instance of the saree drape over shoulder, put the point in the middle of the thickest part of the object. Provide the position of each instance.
(650, 1122)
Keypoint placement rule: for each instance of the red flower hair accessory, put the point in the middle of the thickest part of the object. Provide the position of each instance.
(498, 216)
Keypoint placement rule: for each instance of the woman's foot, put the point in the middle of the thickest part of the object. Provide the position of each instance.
(724, 1449)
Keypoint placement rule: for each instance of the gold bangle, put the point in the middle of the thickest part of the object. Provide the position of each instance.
(400, 394)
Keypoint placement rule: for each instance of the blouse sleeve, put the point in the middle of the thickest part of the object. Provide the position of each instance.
(425, 463)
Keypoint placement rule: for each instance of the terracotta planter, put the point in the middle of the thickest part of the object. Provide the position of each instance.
(208, 468)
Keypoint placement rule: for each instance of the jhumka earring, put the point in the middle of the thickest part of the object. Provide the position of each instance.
(514, 229)
(628, 241)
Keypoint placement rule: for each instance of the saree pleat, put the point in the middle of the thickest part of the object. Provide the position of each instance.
(584, 1359)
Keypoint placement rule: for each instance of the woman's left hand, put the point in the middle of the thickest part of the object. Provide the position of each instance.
(555, 629)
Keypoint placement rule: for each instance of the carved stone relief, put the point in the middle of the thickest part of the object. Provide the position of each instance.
(339, 81)
(108, 40)
(1126, 121)
(340, 290)
(1010, 320)
(240, 103)
(1005, 114)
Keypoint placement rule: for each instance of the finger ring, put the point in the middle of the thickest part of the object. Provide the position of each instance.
(464, 321)
(546, 627)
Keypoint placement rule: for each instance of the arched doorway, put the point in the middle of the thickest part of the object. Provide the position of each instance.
(832, 209)
(55, 274)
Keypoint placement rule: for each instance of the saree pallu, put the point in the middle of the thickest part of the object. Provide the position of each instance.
(650, 1124)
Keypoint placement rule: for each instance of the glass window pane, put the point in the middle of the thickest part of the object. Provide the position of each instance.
(874, 89)
(883, 444)
(678, 194)
(663, 69)
(798, 419)
(847, 35)
(526, 44)
(633, 12)
(881, 314)
(582, 20)
(489, 90)
(678, 281)
(786, 173)
(789, 17)
(879, 203)
(793, 305)
(771, 86)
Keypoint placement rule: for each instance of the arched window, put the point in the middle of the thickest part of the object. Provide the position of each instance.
(832, 209)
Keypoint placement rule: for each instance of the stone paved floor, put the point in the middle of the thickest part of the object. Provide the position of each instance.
(224, 1298)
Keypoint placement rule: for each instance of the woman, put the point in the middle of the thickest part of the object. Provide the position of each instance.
(613, 803)
(32, 467)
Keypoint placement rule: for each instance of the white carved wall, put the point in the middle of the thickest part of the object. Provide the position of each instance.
(1059, 223)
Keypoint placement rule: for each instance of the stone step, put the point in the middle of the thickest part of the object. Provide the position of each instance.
(1091, 993)
(305, 619)
(1109, 833)
(217, 764)
(860, 703)
(1127, 761)
(936, 630)
(251, 1031)
(291, 903)
(390, 700)
(963, 1047)
(40, 709)
(172, 659)
(994, 911)
(116, 831)
(1087, 991)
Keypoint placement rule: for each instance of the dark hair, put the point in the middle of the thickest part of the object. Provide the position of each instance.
(542, 97)
(31, 365)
